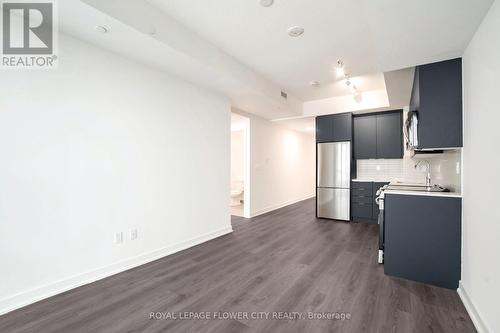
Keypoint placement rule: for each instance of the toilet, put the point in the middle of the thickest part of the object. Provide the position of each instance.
(236, 193)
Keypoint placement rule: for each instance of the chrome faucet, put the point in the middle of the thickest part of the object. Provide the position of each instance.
(428, 169)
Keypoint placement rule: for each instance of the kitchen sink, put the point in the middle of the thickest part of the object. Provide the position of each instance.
(416, 187)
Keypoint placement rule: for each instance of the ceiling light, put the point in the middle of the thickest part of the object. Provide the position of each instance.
(101, 29)
(295, 31)
(347, 80)
(358, 97)
(340, 68)
(266, 3)
(314, 84)
(340, 71)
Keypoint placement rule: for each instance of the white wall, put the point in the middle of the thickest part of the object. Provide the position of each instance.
(98, 146)
(282, 165)
(481, 213)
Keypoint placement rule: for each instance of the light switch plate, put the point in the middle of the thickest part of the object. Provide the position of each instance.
(133, 234)
(119, 237)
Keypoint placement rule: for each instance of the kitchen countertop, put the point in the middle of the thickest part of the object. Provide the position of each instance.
(452, 194)
(401, 192)
(429, 194)
(375, 180)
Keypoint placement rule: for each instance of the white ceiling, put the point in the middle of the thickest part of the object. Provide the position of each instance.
(371, 36)
(140, 32)
(241, 50)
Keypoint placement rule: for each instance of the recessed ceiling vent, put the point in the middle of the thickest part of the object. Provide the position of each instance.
(266, 3)
(101, 29)
(284, 95)
(295, 31)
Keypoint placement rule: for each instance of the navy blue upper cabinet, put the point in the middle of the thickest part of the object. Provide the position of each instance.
(334, 127)
(342, 127)
(365, 133)
(324, 129)
(390, 135)
(437, 96)
(379, 135)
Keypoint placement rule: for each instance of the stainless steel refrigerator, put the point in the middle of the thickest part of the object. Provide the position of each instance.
(333, 192)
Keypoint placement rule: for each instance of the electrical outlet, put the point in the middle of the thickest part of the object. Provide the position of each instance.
(457, 168)
(119, 237)
(133, 234)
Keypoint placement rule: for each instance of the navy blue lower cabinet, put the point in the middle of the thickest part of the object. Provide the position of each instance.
(423, 238)
(363, 206)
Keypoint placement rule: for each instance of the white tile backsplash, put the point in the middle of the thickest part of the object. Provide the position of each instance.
(385, 169)
(443, 169)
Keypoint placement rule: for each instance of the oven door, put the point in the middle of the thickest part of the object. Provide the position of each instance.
(381, 230)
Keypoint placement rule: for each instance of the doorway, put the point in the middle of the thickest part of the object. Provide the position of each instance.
(240, 166)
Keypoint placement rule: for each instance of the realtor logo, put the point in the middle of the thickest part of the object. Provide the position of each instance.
(28, 34)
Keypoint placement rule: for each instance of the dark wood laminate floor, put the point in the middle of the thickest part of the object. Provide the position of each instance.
(283, 261)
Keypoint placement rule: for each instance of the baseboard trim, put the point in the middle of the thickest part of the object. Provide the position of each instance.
(271, 208)
(25, 298)
(471, 310)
